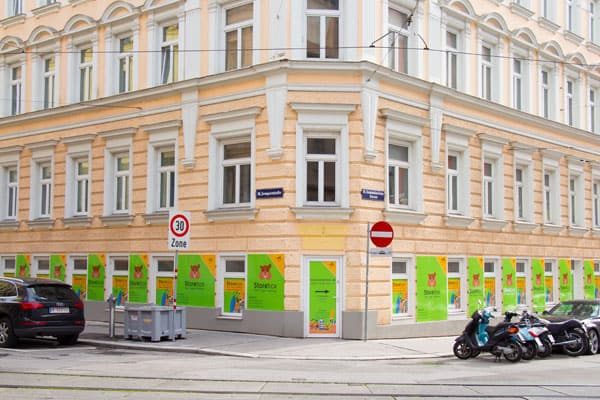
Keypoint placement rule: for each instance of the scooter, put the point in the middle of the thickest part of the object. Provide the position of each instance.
(500, 340)
(570, 336)
(538, 339)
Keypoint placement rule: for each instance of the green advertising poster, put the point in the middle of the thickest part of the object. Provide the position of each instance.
(138, 278)
(538, 286)
(476, 292)
(58, 267)
(589, 284)
(196, 280)
(266, 281)
(96, 276)
(23, 267)
(565, 280)
(432, 292)
(509, 284)
(322, 297)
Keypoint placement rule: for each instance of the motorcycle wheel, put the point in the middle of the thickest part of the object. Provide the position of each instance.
(578, 348)
(547, 351)
(529, 350)
(516, 354)
(475, 353)
(594, 341)
(462, 350)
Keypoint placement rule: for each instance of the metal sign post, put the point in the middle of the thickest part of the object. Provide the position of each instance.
(367, 282)
(179, 238)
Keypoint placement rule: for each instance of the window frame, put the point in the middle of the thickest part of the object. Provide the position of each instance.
(223, 274)
(239, 28)
(594, 108)
(86, 73)
(523, 161)
(116, 143)
(323, 15)
(576, 190)
(16, 88)
(14, 8)
(492, 154)
(237, 163)
(49, 85)
(409, 306)
(462, 276)
(154, 274)
(161, 137)
(398, 56)
(10, 192)
(109, 283)
(6, 270)
(551, 191)
(128, 57)
(550, 271)
(457, 143)
(458, 24)
(495, 276)
(173, 74)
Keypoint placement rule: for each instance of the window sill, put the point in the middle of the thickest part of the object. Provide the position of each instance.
(524, 226)
(233, 214)
(593, 47)
(518, 9)
(9, 225)
(577, 231)
(458, 221)
(75, 2)
(493, 224)
(160, 217)
(71, 222)
(596, 232)
(117, 220)
(552, 229)
(329, 213)
(40, 223)
(13, 20)
(573, 37)
(547, 24)
(404, 216)
(47, 9)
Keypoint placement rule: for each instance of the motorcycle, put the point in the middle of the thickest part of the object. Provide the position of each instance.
(570, 336)
(538, 339)
(500, 340)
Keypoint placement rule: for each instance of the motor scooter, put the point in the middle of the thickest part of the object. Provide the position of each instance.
(538, 339)
(500, 340)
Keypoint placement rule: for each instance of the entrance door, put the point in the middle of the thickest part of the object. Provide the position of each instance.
(323, 308)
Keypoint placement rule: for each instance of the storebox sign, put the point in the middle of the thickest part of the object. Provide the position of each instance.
(269, 193)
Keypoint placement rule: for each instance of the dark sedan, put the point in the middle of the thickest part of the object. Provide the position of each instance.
(31, 307)
(587, 311)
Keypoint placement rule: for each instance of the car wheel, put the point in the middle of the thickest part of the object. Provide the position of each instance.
(594, 341)
(68, 340)
(7, 336)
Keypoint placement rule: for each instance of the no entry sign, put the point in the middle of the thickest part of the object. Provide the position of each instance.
(179, 230)
(382, 234)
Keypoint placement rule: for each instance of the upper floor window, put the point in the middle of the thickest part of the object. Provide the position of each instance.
(492, 181)
(398, 40)
(596, 202)
(82, 186)
(593, 21)
(486, 72)
(49, 96)
(166, 178)
(545, 94)
(569, 103)
(551, 191)
(457, 174)
(322, 29)
(121, 178)
(576, 199)
(519, 194)
(44, 186)
(238, 36)
(236, 172)
(11, 192)
(125, 57)
(593, 110)
(15, 7)
(399, 166)
(572, 22)
(16, 90)
(85, 73)
(452, 60)
(452, 177)
(488, 188)
(517, 84)
(321, 157)
(169, 50)
(117, 173)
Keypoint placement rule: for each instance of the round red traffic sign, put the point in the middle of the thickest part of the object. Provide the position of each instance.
(180, 225)
(382, 234)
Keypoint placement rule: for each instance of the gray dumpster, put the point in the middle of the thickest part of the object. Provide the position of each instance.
(154, 322)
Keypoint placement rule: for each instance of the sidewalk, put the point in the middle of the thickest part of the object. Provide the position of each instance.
(262, 346)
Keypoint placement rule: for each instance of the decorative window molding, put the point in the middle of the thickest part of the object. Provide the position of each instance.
(118, 180)
(42, 184)
(458, 174)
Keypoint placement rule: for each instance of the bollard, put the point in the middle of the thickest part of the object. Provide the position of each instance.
(111, 315)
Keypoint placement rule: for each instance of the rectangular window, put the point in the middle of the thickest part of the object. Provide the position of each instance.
(519, 194)
(12, 191)
(321, 165)
(488, 189)
(322, 29)
(398, 40)
(517, 84)
(551, 197)
(237, 177)
(49, 82)
(238, 36)
(489, 273)
(400, 287)
(576, 203)
(569, 16)
(45, 185)
(121, 182)
(169, 49)
(545, 94)
(9, 265)
(85, 74)
(592, 20)
(572, 201)
(398, 174)
(452, 177)
(596, 202)
(125, 64)
(233, 296)
(569, 103)
(592, 111)
(166, 178)
(16, 90)
(452, 60)
(82, 183)
(454, 286)
(486, 72)
(15, 7)
(521, 283)
(42, 267)
(120, 280)
(549, 281)
(163, 281)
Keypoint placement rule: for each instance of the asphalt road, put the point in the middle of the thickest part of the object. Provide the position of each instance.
(43, 370)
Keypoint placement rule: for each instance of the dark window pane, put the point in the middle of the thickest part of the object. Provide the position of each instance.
(229, 185)
(320, 146)
(312, 181)
(329, 181)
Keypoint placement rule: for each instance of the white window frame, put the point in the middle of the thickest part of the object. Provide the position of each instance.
(525, 273)
(49, 83)
(12, 192)
(16, 88)
(522, 79)
(594, 108)
(126, 58)
(40, 264)
(492, 154)
(9, 160)
(117, 143)
(323, 15)
(154, 274)
(572, 99)
(551, 191)
(457, 25)
(6, 267)
(400, 49)
(594, 24)
(14, 8)
(162, 137)
(550, 270)
(572, 17)
(409, 311)
(72, 262)
(42, 155)
(496, 262)
(596, 199)
(223, 274)
(548, 9)
(237, 163)
(551, 88)
(239, 28)
(175, 54)
(86, 72)
(79, 149)
(462, 275)
(523, 161)
(457, 144)
(321, 160)
(78, 40)
(111, 272)
(576, 189)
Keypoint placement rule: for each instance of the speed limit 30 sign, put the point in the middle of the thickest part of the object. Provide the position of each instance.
(179, 230)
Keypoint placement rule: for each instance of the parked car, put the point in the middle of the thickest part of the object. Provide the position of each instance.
(31, 307)
(587, 311)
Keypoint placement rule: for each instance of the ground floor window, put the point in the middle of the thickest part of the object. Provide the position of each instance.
(489, 274)
(455, 285)
(8, 265)
(232, 285)
(522, 296)
(120, 279)
(78, 269)
(549, 273)
(400, 291)
(163, 281)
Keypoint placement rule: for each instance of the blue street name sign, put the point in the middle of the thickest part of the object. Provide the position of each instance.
(368, 194)
(269, 193)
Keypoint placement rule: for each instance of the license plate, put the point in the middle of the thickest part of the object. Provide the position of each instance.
(59, 310)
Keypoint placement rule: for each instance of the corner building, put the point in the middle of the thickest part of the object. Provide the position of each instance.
(285, 128)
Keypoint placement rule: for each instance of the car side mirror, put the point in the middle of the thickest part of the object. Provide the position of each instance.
(544, 312)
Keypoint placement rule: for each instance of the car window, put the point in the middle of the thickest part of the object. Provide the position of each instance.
(52, 293)
(562, 309)
(7, 289)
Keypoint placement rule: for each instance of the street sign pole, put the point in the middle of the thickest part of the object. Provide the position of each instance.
(366, 318)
